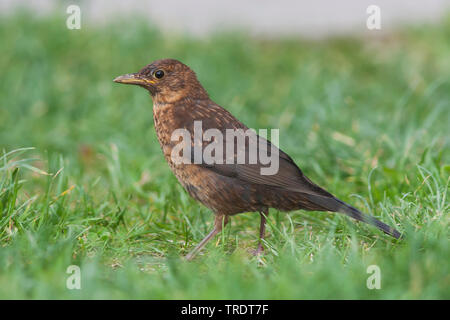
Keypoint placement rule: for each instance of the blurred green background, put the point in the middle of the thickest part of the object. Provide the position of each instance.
(368, 119)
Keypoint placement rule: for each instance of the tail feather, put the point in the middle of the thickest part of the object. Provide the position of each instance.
(336, 205)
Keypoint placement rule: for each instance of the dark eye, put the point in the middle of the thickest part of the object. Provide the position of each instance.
(159, 74)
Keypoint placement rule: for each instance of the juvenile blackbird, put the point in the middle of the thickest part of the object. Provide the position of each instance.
(227, 188)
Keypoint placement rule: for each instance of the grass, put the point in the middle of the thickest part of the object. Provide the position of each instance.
(83, 181)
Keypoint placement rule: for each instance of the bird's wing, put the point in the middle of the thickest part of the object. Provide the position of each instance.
(287, 176)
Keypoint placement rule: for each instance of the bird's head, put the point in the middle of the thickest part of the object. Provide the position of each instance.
(167, 80)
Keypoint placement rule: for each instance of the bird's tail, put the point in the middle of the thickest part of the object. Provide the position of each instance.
(336, 205)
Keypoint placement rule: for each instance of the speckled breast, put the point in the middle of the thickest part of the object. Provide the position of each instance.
(219, 193)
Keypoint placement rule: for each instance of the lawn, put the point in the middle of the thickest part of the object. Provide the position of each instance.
(83, 180)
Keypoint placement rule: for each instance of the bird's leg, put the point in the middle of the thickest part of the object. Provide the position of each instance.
(219, 222)
(262, 231)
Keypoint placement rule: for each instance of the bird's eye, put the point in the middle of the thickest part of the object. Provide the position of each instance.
(159, 74)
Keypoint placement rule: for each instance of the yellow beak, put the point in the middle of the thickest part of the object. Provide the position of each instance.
(133, 78)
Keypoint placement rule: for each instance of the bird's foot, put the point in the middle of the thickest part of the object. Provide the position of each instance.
(258, 251)
(189, 256)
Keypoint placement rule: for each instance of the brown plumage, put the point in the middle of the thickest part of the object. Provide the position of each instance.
(227, 189)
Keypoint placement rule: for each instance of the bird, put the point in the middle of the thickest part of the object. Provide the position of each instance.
(227, 187)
